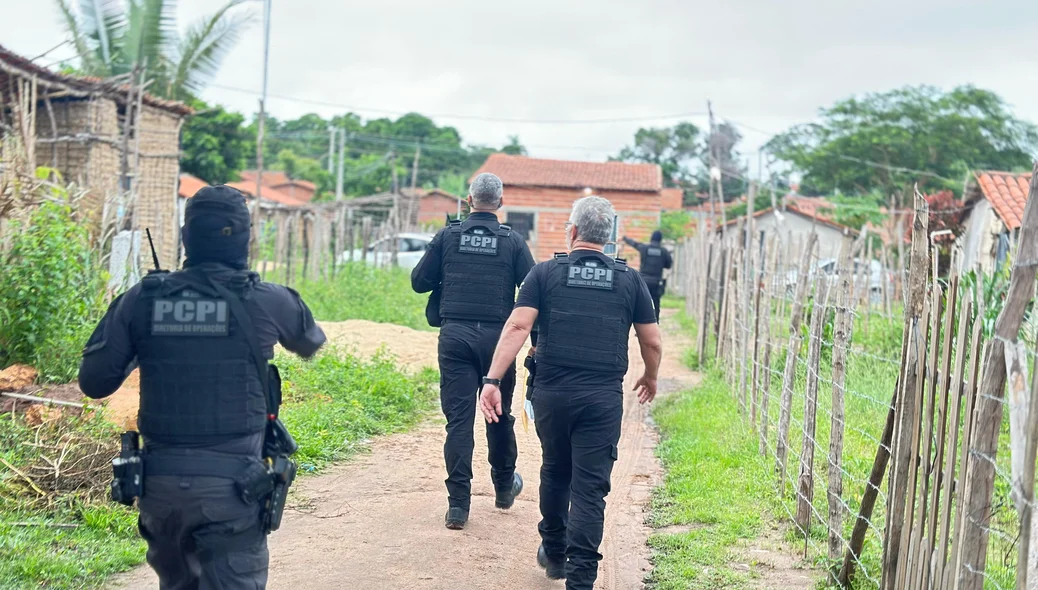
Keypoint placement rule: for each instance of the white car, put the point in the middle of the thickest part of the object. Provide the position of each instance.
(412, 248)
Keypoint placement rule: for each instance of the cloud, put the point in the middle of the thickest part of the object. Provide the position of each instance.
(763, 63)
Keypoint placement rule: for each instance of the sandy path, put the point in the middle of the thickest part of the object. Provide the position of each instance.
(377, 521)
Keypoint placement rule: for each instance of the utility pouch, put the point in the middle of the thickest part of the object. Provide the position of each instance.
(255, 484)
(128, 470)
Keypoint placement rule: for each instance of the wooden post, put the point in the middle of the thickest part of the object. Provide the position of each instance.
(792, 351)
(704, 305)
(806, 493)
(1027, 561)
(944, 391)
(747, 271)
(290, 222)
(957, 389)
(970, 395)
(868, 499)
(755, 378)
(909, 381)
(766, 362)
(843, 325)
(980, 487)
(724, 297)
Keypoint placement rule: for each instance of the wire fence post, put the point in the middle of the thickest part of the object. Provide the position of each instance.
(806, 481)
(843, 325)
(792, 351)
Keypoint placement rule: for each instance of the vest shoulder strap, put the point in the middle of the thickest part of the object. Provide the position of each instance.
(504, 230)
(153, 281)
(454, 225)
(561, 258)
(620, 265)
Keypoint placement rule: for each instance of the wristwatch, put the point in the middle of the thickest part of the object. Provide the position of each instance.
(489, 381)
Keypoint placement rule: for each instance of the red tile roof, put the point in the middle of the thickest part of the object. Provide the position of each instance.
(815, 206)
(1007, 193)
(524, 171)
(189, 185)
(270, 177)
(269, 193)
(17, 65)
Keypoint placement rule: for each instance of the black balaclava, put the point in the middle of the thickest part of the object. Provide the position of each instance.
(657, 237)
(216, 228)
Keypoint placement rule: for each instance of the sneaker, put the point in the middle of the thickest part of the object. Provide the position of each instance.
(456, 518)
(506, 499)
(553, 568)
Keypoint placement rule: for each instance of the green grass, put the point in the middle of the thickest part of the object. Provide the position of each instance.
(716, 483)
(362, 292)
(333, 404)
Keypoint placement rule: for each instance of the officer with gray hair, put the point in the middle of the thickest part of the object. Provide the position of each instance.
(474, 267)
(583, 304)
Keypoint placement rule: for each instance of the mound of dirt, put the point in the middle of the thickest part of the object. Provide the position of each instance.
(412, 349)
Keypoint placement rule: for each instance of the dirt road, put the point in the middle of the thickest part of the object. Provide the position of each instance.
(377, 522)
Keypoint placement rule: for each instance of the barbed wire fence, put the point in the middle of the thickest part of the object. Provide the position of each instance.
(847, 383)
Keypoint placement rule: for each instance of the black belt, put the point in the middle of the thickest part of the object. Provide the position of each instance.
(197, 463)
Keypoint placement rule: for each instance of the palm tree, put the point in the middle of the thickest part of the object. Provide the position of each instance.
(112, 37)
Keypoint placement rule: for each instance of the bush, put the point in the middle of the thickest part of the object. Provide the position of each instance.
(334, 402)
(51, 293)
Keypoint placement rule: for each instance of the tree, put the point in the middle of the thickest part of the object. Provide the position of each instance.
(111, 37)
(513, 147)
(674, 149)
(215, 144)
(300, 168)
(916, 134)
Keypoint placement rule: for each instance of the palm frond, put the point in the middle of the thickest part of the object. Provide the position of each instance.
(205, 44)
(103, 22)
(151, 32)
(88, 59)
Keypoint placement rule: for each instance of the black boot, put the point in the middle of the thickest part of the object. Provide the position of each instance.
(553, 568)
(505, 499)
(456, 518)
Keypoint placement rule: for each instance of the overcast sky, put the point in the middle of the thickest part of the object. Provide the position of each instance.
(765, 64)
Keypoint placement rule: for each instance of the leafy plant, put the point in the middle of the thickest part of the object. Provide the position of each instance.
(111, 37)
(51, 292)
(675, 224)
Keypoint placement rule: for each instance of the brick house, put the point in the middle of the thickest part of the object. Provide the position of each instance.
(539, 195)
(434, 207)
(80, 130)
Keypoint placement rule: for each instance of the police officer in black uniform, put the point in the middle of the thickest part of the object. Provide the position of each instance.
(203, 408)
(654, 258)
(475, 266)
(584, 304)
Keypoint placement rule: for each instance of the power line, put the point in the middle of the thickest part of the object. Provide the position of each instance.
(355, 108)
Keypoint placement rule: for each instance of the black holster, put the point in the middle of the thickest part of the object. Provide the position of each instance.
(128, 470)
(278, 447)
(531, 370)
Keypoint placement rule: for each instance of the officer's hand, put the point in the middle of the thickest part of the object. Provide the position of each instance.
(646, 389)
(490, 402)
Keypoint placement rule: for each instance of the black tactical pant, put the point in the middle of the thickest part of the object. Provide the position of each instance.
(201, 536)
(465, 352)
(655, 285)
(579, 432)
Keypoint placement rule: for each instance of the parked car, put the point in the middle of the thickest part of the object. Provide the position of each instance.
(411, 248)
(828, 267)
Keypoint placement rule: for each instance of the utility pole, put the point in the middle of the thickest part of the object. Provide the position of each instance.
(413, 199)
(716, 173)
(263, 102)
(331, 149)
(342, 165)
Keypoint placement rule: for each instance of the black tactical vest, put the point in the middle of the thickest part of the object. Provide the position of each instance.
(652, 261)
(478, 271)
(586, 317)
(199, 383)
